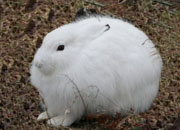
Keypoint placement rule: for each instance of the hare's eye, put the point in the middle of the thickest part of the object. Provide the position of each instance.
(60, 48)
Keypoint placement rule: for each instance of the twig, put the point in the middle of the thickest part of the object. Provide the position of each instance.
(145, 41)
(163, 2)
(94, 3)
(45, 107)
(122, 1)
(165, 26)
(132, 113)
(154, 53)
(78, 92)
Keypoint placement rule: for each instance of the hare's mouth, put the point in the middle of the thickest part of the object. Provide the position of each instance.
(43, 68)
(38, 65)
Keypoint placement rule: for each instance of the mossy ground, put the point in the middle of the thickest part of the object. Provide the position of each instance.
(23, 24)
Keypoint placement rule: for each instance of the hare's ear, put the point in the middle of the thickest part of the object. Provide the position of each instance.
(85, 12)
(94, 31)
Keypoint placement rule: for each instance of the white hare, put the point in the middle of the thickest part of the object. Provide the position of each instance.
(95, 65)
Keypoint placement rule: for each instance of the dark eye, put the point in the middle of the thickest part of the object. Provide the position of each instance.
(60, 48)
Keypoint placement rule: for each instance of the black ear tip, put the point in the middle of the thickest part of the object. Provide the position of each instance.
(84, 12)
(81, 12)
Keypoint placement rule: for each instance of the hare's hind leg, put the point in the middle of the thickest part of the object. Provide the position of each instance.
(61, 121)
(42, 116)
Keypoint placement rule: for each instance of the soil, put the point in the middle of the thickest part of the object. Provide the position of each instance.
(24, 23)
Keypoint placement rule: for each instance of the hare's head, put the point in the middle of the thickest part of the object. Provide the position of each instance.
(63, 46)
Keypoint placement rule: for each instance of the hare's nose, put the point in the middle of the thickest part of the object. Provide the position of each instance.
(38, 64)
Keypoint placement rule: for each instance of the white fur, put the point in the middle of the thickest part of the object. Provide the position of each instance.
(99, 70)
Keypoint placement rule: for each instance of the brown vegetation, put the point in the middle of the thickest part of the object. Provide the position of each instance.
(23, 24)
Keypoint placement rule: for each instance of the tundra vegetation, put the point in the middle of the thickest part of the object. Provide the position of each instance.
(24, 23)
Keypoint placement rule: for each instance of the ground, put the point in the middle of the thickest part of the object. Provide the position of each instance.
(23, 24)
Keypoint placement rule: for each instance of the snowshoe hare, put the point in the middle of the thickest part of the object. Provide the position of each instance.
(95, 65)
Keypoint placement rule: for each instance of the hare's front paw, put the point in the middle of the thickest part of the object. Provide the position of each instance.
(42, 116)
(61, 121)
